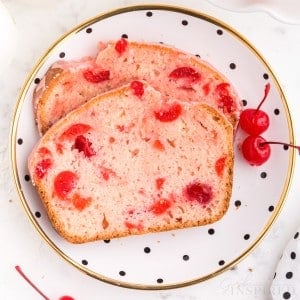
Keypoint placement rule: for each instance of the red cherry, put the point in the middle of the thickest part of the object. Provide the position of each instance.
(255, 121)
(64, 183)
(96, 76)
(255, 150)
(82, 144)
(169, 114)
(121, 45)
(200, 192)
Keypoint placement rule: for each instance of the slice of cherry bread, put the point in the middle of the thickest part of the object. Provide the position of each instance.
(171, 71)
(129, 162)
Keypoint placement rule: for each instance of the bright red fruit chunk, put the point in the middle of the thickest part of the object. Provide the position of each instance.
(169, 114)
(42, 167)
(185, 72)
(219, 165)
(225, 100)
(121, 45)
(254, 121)
(199, 192)
(80, 202)
(96, 76)
(82, 144)
(160, 206)
(256, 150)
(64, 183)
(137, 87)
(159, 183)
(75, 130)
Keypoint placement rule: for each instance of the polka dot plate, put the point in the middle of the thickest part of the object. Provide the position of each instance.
(180, 257)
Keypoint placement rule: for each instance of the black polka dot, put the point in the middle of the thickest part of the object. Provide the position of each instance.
(247, 236)
(149, 14)
(237, 203)
(27, 177)
(37, 214)
(89, 30)
(285, 147)
(219, 32)
(20, 141)
(211, 231)
(271, 208)
(159, 280)
(84, 262)
(274, 275)
(276, 111)
(122, 273)
(221, 262)
(124, 36)
(263, 174)
(37, 80)
(62, 54)
(296, 235)
(197, 55)
(106, 241)
(244, 102)
(185, 257)
(147, 250)
(184, 22)
(286, 295)
(232, 66)
(265, 76)
(293, 255)
(289, 275)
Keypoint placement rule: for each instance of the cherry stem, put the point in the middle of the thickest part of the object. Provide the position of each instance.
(18, 268)
(279, 143)
(267, 90)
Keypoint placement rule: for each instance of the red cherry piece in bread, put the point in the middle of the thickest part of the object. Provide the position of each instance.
(255, 121)
(66, 298)
(137, 87)
(157, 144)
(96, 76)
(169, 113)
(43, 151)
(256, 150)
(185, 72)
(64, 183)
(219, 165)
(80, 202)
(121, 45)
(42, 167)
(225, 100)
(74, 130)
(139, 226)
(82, 144)
(159, 182)
(200, 192)
(160, 206)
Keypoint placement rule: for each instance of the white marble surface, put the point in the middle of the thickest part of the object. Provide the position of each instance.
(38, 24)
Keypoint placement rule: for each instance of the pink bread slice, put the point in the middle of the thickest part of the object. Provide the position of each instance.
(130, 162)
(169, 70)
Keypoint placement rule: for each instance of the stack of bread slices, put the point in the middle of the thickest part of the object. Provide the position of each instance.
(136, 140)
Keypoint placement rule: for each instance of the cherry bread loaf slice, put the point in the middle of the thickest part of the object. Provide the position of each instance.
(171, 71)
(130, 162)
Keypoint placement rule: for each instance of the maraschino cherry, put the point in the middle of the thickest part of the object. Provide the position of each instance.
(256, 150)
(253, 120)
(20, 271)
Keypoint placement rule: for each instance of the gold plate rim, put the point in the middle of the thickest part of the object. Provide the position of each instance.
(95, 19)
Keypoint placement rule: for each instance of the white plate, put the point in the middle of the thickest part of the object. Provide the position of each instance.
(181, 257)
(287, 11)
